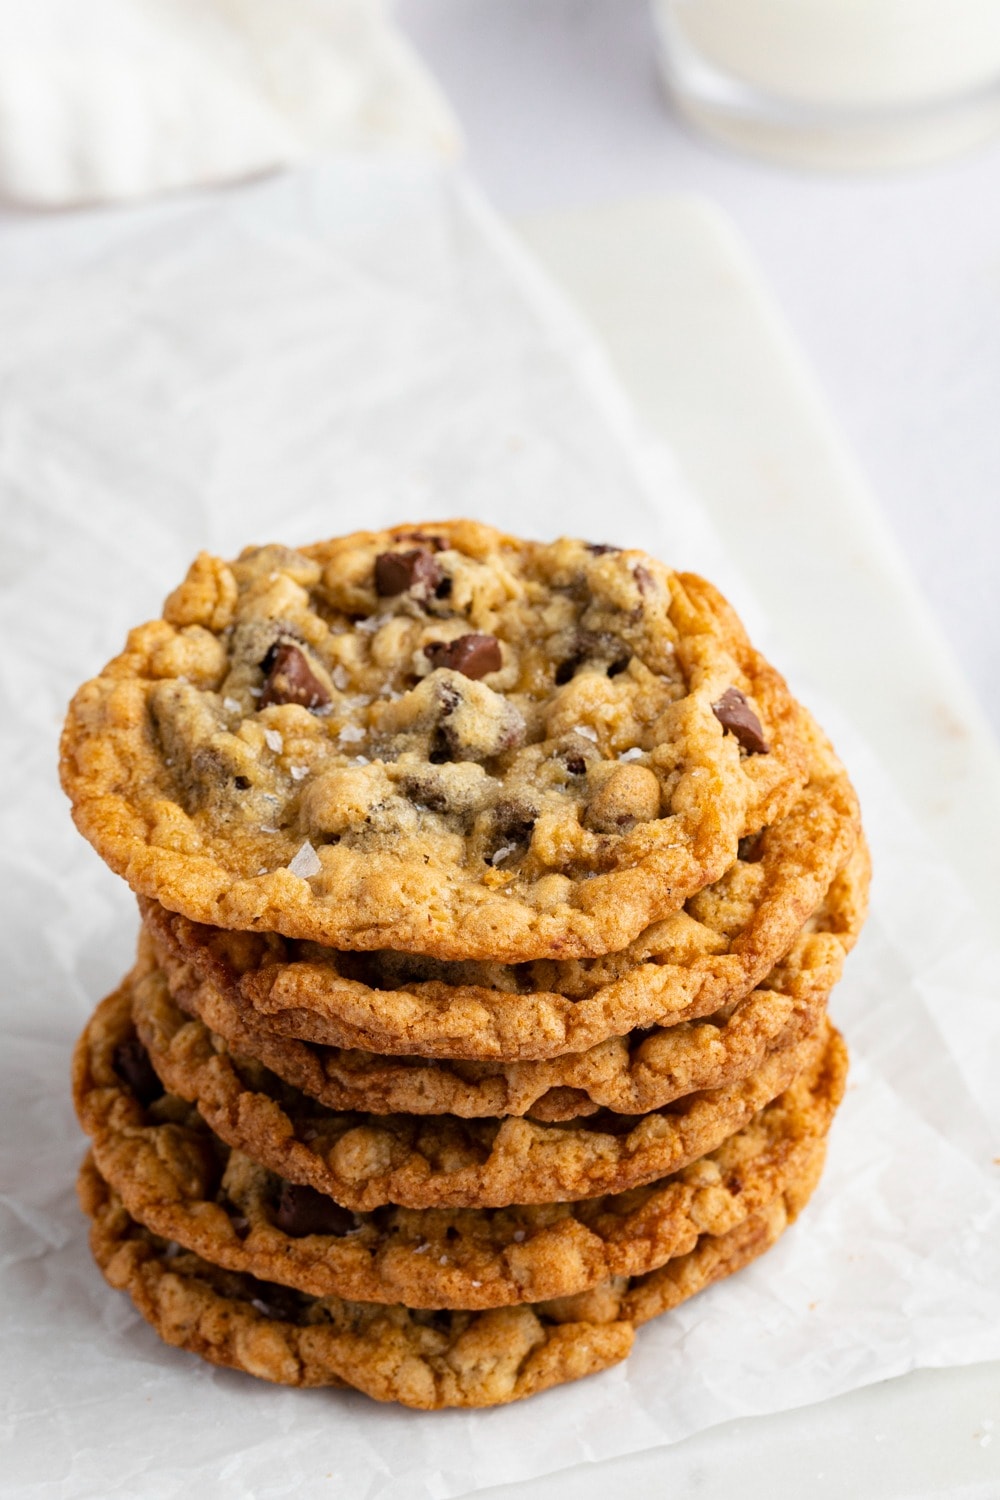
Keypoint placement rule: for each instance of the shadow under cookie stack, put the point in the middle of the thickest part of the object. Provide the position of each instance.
(492, 894)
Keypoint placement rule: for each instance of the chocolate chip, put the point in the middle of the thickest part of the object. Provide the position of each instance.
(281, 634)
(130, 1061)
(644, 579)
(301, 1210)
(417, 572)
(436, 543)
(599, 549)
(473, 655)
(513, 821)
(576, 765)
(241, 783)
(425, 791)
(599, 647)
(277, 1302)
(751, 848)
(290, 679)
(448, 699)
(735, 714)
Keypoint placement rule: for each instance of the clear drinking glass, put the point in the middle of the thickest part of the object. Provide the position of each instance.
(836, 83)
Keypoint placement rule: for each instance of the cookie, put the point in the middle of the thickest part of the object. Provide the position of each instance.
(422, 1359)
(722, 944)
(630, 1075)
(441, 739)
(364, 1160)
(178, 1180)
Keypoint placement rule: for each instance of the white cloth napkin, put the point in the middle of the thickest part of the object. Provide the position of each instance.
(115, 99)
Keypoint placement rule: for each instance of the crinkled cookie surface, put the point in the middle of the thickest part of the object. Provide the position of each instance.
(423, 1359)
(631, 1074)
(364, 1160)
(702, 958)
(437, 739)
(178, 1180)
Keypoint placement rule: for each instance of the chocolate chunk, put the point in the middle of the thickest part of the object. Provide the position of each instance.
(600, 549)
(280, 633)
(417, 572)
(301, 1210)
(130, 1061)
(576, 765)
(735, 714)
(473, 655)
(290, 679)
(278, 1302)
(513, 823)
(514, 820)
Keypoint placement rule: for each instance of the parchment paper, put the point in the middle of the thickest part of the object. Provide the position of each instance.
(347, 346)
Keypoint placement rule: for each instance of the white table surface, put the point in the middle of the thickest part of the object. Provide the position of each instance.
(891, 284)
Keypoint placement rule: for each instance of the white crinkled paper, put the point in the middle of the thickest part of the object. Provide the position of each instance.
(344, 347)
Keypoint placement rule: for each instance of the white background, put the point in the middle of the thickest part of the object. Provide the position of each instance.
(891, 283)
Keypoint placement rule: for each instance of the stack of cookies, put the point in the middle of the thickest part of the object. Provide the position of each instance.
(492, 893)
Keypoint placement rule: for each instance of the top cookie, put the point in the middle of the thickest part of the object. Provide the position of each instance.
(439, 739)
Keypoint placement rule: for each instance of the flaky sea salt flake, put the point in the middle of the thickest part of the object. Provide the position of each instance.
(306, 862)
(350, 734)
(585, 732)
(273, 741)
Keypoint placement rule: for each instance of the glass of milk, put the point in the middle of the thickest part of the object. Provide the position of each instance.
(836, 83)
